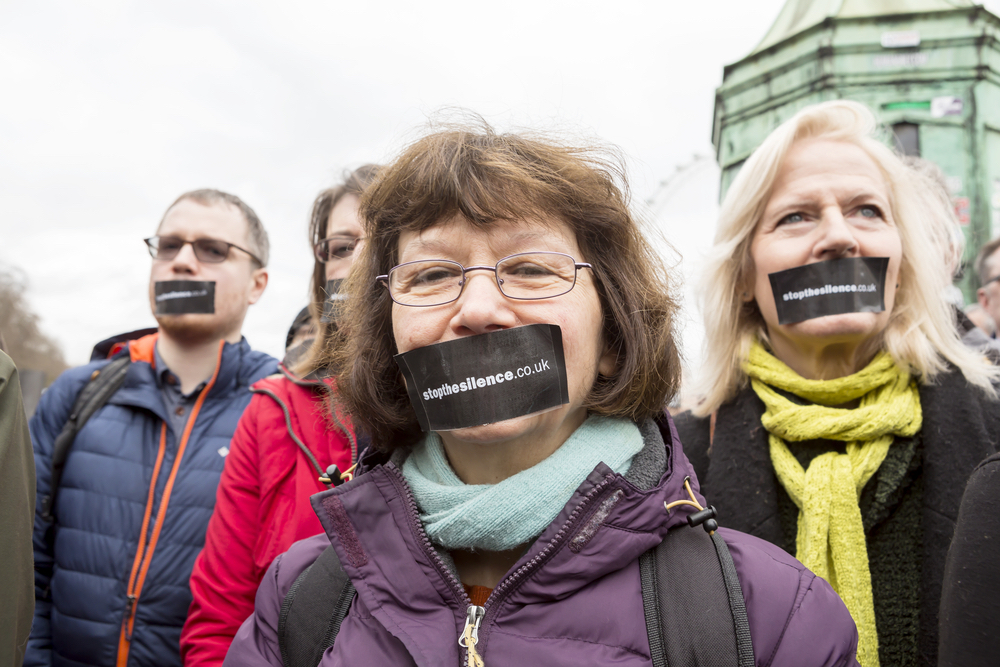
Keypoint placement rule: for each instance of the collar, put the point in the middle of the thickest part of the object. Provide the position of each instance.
(165, 378)
(239, 367)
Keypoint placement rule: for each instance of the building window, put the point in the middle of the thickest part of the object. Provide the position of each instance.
(907, 138)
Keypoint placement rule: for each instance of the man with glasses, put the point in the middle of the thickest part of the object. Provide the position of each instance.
(120, 523)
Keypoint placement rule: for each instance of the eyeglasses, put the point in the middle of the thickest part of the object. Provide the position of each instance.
(209, 251)
(526, 276)
(336, 248)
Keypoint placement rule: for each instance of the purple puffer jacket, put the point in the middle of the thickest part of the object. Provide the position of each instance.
(573, 599)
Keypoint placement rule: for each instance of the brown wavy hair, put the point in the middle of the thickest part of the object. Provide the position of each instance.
(354, 183)
(483, 177)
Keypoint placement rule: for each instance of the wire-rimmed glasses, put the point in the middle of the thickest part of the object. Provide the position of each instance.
(527, 276)
(209, 251)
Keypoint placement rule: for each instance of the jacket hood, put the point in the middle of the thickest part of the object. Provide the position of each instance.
(109, 347)
(144, 348)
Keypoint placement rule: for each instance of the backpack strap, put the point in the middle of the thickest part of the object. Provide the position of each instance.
(99, 389)
(694, 607)
(313, 610)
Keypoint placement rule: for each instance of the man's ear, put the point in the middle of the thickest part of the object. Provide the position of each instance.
(258, 282)
(984, 300)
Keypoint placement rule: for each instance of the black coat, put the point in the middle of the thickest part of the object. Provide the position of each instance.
(970, 602)
(961, 427)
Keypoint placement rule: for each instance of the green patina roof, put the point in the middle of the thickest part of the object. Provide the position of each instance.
(797, 15)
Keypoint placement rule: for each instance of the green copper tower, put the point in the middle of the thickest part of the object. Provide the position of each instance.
(929, 68)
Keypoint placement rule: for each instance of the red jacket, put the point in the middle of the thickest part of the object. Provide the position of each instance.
(262, 506)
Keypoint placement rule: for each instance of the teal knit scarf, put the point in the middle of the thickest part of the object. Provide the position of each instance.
(497, 517)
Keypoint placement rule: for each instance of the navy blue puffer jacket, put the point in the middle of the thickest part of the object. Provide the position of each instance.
(111, 574)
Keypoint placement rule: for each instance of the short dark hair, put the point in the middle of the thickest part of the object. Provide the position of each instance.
(483, 177)
(982, 260)
(256, 234)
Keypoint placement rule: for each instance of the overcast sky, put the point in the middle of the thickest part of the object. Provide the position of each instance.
(111, 109)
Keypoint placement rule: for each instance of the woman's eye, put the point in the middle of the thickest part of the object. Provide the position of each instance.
(871, 212)
(432, 276)
(339, 247)
(791, 218)
(527, 270)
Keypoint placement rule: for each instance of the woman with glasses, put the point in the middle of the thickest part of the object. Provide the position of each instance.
(285, 441)
(840, 413)
(524, 466)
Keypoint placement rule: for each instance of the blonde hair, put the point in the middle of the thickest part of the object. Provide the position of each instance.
(921, 334)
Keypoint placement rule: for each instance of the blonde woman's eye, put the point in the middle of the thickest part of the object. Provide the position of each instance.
(791, 218)
(871, 212)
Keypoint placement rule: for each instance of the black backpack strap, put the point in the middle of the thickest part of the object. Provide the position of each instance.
(694, 607)
(98, 390)
(313, 610)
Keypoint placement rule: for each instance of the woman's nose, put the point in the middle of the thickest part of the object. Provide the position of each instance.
(482, 307)
(836, 236)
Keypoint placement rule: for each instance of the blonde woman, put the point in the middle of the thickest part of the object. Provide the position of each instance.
(840, 428)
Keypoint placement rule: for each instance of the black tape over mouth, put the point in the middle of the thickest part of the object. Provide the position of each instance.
(487, 378)
(182, 297)
(834, 287)
(334, 298)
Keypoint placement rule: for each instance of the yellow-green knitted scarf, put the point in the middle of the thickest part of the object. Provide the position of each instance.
(831, 538)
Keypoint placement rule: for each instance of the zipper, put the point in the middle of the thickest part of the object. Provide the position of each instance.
(417, 528)
(146, 549)
(128, 619)
(470, 635)
(129, 610)
(413, 516)
(486, 615)
(504, 588)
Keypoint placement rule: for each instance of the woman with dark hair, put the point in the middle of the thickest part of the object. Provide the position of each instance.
(509, 347)
(335, 236)
(283, 444)
(840, 414)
